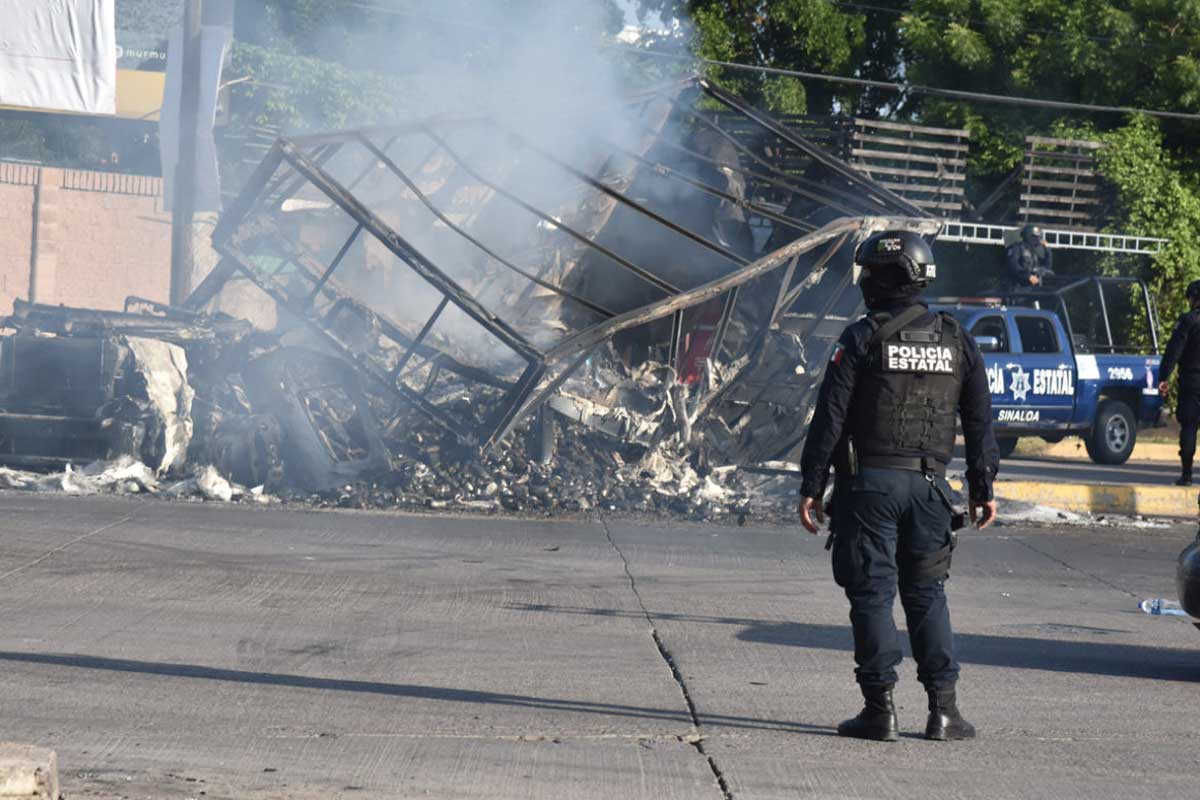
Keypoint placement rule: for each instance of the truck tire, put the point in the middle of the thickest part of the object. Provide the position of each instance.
(1008, 445)
(1113, 435)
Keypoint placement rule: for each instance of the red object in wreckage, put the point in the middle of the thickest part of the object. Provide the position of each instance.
(697, 345)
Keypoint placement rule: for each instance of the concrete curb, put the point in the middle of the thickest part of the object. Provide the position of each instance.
(28, 772)
(1104, 498)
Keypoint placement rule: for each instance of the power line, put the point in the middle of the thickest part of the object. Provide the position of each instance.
(954, 94)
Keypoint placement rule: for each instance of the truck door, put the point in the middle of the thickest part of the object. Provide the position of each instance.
(993, 329)
(1042, 377)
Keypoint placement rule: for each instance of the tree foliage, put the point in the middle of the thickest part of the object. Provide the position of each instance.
(808, 35)
(1154, 197)
(1125, 53)
(298, 93)
(1133, 53)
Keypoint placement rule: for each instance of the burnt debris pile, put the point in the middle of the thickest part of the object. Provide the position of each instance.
(629, 310)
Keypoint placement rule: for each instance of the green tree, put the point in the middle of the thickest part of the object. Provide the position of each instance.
(808, 35)
(1155, 196)
(1129, 52)
(1137, 53)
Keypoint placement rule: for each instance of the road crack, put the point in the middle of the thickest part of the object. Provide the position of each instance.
(696, 740)
(1072, 568)
(65, 545)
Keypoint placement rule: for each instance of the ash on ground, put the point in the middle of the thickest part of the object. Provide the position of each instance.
(588, 473)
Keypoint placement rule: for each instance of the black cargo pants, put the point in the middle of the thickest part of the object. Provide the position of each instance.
(1188, 415)
(887, 523)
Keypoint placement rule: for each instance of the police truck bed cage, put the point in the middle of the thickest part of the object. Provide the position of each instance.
(1108, 300)
(1082, 304)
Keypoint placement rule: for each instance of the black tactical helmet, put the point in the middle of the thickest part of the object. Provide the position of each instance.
(1193, 290)
(903, 249)
(1032, 233)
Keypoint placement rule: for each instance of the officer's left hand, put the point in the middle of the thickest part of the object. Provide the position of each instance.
(983, 512)
(1164, 388)
(810, 508)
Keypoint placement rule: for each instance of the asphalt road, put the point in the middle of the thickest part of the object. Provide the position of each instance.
(1077, 471)
(174, 651)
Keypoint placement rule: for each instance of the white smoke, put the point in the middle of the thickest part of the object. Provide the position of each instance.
(541, 70)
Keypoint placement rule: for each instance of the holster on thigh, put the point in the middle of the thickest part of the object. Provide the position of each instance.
(846, 552)
(933, 566)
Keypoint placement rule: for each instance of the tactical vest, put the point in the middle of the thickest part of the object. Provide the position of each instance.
(906, 393)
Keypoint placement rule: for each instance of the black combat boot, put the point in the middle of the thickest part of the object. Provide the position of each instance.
(877, 720)
(945, 723)
(1185, 477)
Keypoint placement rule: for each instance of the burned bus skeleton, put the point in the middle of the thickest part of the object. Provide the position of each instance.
(428, 293)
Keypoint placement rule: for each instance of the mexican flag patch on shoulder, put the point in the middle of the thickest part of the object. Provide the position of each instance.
(838, 352)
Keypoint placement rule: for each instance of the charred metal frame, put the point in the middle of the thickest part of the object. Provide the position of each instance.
(293, 164)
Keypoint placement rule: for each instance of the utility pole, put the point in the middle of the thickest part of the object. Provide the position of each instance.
(184, 201)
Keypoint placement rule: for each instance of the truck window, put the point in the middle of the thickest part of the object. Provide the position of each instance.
(1037, 335)
(993, 326)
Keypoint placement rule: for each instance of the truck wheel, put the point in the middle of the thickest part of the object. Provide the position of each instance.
(1008, 445)
(1113, 434)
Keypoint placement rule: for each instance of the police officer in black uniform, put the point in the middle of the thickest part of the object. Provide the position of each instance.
(1183, 350)
(1030, 260)
(885, 418)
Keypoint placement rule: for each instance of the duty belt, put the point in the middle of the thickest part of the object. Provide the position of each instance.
(924, 464)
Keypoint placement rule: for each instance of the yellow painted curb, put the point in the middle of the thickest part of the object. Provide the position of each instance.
(1103, 498)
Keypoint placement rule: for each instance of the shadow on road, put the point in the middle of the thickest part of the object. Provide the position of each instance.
(193, 671)
(1016, 652)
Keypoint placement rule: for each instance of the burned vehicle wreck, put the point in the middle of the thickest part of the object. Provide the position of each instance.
(618, 310)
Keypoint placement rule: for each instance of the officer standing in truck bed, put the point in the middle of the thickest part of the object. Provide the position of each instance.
(1030, 260)
(891, 393)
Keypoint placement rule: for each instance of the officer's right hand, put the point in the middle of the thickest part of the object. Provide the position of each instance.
(988, 515)
(1034, 280)
(810, 508)
(1164, 388)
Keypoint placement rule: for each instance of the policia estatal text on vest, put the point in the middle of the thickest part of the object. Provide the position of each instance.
(885, 419)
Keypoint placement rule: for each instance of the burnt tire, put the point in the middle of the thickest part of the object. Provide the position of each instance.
(1007, 444)
(1113, 434)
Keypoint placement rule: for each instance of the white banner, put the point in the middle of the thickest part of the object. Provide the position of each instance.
(59, 55)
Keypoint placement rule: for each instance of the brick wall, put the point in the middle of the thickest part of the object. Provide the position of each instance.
(81, 238)
(17, 191)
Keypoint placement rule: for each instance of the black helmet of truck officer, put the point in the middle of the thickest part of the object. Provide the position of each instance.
(1193, 292)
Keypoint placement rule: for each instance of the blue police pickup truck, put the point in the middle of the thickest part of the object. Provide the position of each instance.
(1063, 363)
